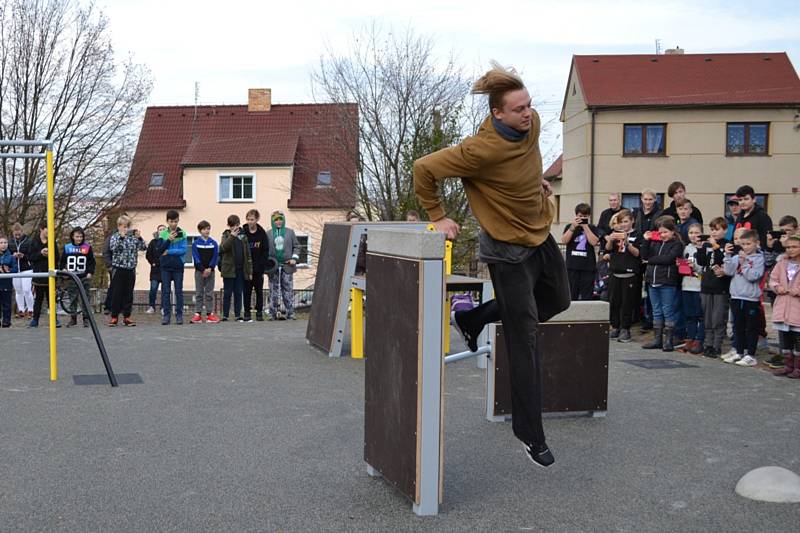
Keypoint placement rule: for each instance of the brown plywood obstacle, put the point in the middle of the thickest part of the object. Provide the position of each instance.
(392, 374)
(338, 256)
(574, 359)
(404, 368)
(334, 256)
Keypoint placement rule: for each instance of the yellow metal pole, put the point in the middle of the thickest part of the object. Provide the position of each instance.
(51, 263)
(356, 323)
(448, 269)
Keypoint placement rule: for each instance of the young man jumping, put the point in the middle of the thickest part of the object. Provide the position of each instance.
(501, 170)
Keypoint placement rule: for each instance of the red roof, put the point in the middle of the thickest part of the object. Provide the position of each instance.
(687, 79)
(554, 170)
(311, 137)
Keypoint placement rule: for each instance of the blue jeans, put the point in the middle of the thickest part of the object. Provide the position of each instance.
(677, 311)
(168, 277)
(693, 316)
(234, 287)
(663, 298)
(154, 283)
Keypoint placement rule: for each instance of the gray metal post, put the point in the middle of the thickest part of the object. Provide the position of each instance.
(431, 406)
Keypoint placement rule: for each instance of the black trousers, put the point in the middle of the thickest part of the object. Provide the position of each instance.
(526, 293)
(624, 295)
(40, 292)
(122, 292)
(745, 325)
(581, 284)
(257, 284)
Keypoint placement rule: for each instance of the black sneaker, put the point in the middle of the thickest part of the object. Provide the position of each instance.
(614, 334)
(540, 454)
(775, 362)
(224, 319)
(239, 319)
(259, 317)
(710, 352)
(470, 337)
(624, 335)
(247, 319)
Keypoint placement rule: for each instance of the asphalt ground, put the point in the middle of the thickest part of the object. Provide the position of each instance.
(243, 427)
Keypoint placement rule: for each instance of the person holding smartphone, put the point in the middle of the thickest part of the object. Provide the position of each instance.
(581, 237)
(236, 266)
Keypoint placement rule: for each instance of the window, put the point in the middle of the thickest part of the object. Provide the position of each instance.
(631, 200)
(324, 179)
(237, 188)
(761, 199)
(157, 179)
(645, 139)
(188, 260)
(747, 138)
(304, 251)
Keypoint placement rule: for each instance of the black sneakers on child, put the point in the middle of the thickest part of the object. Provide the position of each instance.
(540, 454)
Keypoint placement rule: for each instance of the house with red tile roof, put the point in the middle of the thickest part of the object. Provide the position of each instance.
(211, 161)
(711, 121)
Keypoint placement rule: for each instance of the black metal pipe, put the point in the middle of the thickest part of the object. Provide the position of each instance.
(112, 378)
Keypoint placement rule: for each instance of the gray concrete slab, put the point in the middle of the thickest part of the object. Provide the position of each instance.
(244, 427)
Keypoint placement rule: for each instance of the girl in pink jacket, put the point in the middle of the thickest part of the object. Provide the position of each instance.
(785, 282)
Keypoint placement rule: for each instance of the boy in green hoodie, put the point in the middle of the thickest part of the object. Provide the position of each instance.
(285, 249)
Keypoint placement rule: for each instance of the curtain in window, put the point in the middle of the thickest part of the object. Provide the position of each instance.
(655, 139)
(633, 139)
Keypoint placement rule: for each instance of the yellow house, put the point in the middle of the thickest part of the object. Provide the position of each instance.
(711, 121)
(208, 162)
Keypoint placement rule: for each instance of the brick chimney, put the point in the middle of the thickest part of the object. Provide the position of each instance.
(259, 100)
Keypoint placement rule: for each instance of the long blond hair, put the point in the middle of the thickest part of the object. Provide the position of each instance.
(496, 82)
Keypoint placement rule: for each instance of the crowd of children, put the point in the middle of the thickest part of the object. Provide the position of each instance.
(244, 255)
(694, 283)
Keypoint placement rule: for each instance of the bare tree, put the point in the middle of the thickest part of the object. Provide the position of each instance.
(59, 80)
(410, 104)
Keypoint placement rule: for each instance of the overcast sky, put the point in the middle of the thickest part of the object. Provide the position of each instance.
(228, 47)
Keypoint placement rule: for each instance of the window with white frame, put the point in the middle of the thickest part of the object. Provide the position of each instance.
(188, 259)
(305, 255)
(324, 178)
(237, 188)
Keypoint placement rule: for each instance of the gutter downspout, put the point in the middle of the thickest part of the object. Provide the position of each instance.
(591, 163)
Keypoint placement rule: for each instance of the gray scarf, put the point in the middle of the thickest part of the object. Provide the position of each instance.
(507, 132)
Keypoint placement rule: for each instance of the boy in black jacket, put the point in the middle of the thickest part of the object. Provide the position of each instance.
(259, 251)
(625, 291)
(78, 258)
(40, 249)
(714, 285)
(581, 237)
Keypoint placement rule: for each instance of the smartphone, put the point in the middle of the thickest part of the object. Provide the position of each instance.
(777, 234)
(655, 236)
(736, 249)
(704, 237)
(584, 220)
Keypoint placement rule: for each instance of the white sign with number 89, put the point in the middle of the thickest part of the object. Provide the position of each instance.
(76, 263)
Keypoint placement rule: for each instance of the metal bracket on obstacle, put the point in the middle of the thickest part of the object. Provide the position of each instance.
(482, 350)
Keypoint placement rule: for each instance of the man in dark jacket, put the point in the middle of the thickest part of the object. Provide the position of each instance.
(259, 251)
(154, 260)
(752, 216)
(677, 191)
(614, 207)
(107, 259)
